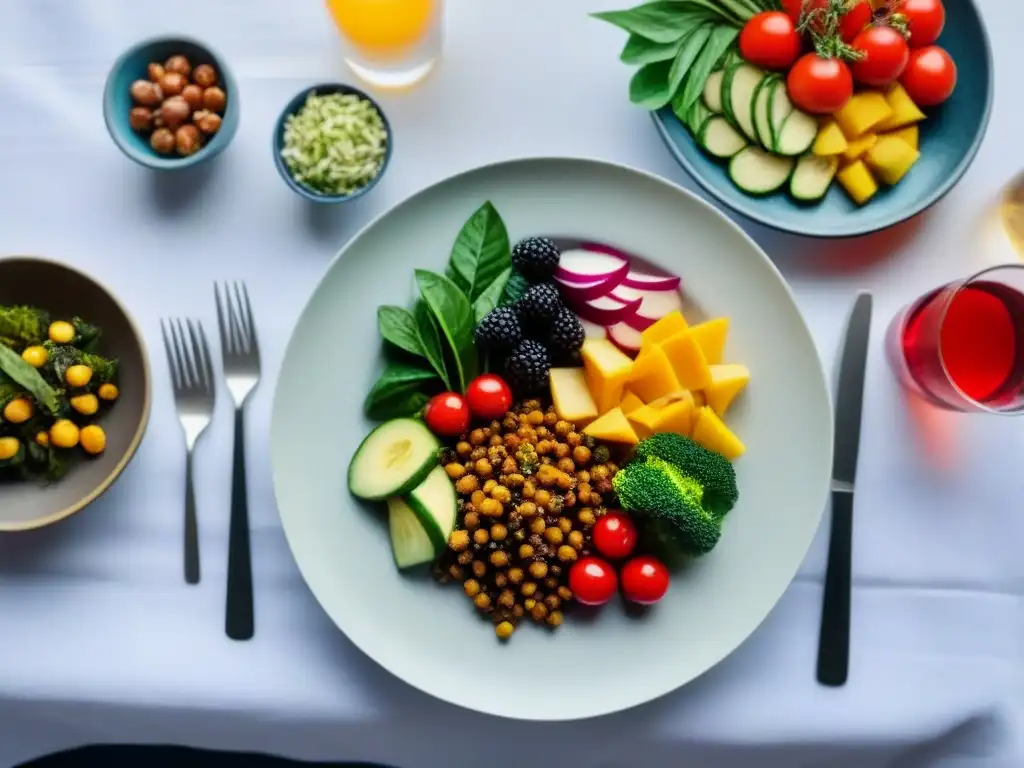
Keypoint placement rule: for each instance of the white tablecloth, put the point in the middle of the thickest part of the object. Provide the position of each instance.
(100, 640)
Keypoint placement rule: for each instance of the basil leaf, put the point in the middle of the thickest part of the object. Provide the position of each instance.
(454, 315)
(430, 339)
(514, 290)
(640, 50)
(649, 86)
(664, 21)
(398, 326)
(399, 392)
(24, 374)
(687, 55)
(489, 299)
(719, 42)
(480, 253)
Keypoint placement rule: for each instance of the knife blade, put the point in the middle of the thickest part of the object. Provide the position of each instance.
(834, 640)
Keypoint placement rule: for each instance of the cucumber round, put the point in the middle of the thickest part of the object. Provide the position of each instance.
(392, 460)
(757, 172)
(434, 503)
(410, 544)
(719, 138)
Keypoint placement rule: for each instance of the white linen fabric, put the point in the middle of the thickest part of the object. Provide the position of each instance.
(100, 639)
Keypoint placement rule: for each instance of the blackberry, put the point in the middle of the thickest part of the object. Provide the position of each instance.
(539, 306)
(527, 368)
(536, 258)
(499, 330)
(567, 335)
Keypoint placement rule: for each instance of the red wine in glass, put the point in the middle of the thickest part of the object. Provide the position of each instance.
(962, 345)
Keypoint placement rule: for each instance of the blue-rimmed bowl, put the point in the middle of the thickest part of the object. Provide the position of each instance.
(117, 101)
(950, 139)
(294, 106)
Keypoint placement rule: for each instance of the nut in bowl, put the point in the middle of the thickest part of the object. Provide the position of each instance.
(170, 103)
(332, 143)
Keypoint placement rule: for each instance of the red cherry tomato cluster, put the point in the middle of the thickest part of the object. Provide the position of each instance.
(593, 580)
(487, 398)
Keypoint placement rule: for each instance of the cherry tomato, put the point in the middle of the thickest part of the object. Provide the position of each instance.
(854, 20)
(770, 40)
(614, 535)
(644, 580)
(850, 24)
(489, 397)
(884, 55)
(821, 86)
(447, 414)
(925, 20)
(930, 76)
(593, 581)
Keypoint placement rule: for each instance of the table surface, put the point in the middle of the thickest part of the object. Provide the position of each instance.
(102, 641)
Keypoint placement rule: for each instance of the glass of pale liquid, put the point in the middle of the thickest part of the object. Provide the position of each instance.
(390, 43)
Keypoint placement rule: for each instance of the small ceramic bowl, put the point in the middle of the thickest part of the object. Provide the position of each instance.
(950, 138)
(117, 101)
(65, 293)
(294, 106)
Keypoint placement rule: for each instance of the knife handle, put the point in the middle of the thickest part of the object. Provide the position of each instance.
(834, 641)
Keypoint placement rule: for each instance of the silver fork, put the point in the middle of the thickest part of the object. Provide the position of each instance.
(242, 370)
(188, 357)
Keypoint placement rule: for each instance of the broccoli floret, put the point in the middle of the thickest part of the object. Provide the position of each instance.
(713, 471)
(21, 327)
(670, 507)
(104, 370)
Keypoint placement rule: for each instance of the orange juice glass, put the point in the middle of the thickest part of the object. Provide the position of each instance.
(390, 43)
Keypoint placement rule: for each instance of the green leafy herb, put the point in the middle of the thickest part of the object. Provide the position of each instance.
(514, 290)
(399, 392)
(454, 315)
(639, 50)
(663, 21)
(398, 326)
(489, 299)
(649, 86)
(481, 252)
(24, 374)
(430, 338)
(718, 43)
(87, 336)
(687, 55)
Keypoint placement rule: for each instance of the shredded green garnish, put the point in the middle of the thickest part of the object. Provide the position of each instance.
(335, 144)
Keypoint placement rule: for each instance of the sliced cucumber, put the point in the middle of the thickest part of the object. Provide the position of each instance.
(758, 172)
(434, 503)
(797, 134)
(410, 544)
(762, 117)
(779, 108)
(720, 139)
(730, 73)
(740, 91)
(392, 460)
(812, 177)
(713, 91)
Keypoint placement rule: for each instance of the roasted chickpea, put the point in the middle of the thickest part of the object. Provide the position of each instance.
(175, 112)
(480, 536)
(599, 473)
(566, 553)
(87, 404)
(140, 119)
(162, 141)
(204, 76)
(479, 568)
(490, 508)
(499, 558)
(515, 575)
(464, 558)
(574, 439)
(482, 601)
(501, 494)
(582, 476)
(528, 589)
(529, 489)
(543, 498)
(193, 96)
(155, 71)
(581, 455)
(500, 580)
(477, 498)
(498, 532)
(61, 332)
(567, 465)
(146, 94)
(553, 536)
(539, 612)
(537, 525)
(544, 447)
(517, 611)
(178, 64)
(467, 485)
(463, 448)
(187, 140)
(555, 618)
(565, 482)
(172, 84)
(553, 602)
(19, 410)
(525, 551)
(483, 468)
(64, 434)
(454, 470)
(459, 540)
(562, 451)
(529, 602)
(490, 485)
(477, 437)
(564, 525)
(527, 509)
(538, 570)
(575, 540)
(9, 447)
(565, 593)
(504, 629)
(471, 520)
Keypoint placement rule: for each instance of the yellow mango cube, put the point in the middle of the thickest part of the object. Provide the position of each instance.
(676, 417)
(652, 375)
(710, 337)
(606, 368)
(688, 362)
(644, 421)
(665, 328)
(673, 397)
(857, 148)
(699, 401)
(613, 427)
(863, 112)
(571, 396)
(727, 381)
(830, 140)
(890, 159)
(711, 432)
(858, 182)
(630, 402)
(904, 110)
(911, 135)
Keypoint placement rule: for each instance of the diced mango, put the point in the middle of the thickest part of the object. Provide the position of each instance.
(857, 148)
(676, 417)
(711, 432)
(613, 427)
(904, 110)
(688, 362)
(673, 397)
(863, 112)
(890, 159)
(710, 337)
(630, 402)
(606, 368)
(910, 134)
(665, 328)
(727, 381)
(699, 401)
(830, 141)
(644, 421)
(653, 375)
(571, 396)
(858, 182)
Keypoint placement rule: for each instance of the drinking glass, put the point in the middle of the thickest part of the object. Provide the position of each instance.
(390, 43)
(961, 346)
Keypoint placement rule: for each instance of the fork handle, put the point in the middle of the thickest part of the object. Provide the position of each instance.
(239, 622)
(191, 526)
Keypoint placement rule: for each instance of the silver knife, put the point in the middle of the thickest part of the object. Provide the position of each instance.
(834, 641)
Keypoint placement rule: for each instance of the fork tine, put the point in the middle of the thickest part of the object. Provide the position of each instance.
(187, 352)
(242, 291)
(236, 326)
(179, 354)
(225, 339)
(207, 361)
(197, 356)
(171, 364)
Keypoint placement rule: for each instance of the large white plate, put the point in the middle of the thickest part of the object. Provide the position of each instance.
(429, 635)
